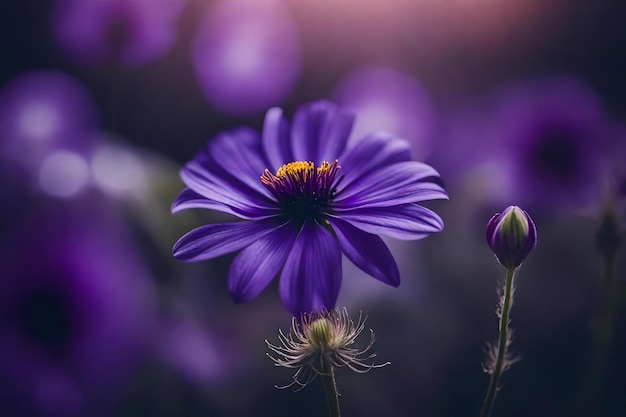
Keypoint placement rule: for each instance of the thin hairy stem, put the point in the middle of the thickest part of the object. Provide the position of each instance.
(330, 387)
(503, 341)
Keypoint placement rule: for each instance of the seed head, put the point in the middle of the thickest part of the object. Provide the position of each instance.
(316, 337)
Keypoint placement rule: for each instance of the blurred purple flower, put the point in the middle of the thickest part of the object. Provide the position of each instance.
(131, 32)
(541, 142)
(247, 56)
(389, 100)
(75, 311)
(554, 133)
(300, 219)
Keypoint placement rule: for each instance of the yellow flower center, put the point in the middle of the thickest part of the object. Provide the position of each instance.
(304, 191)
(294, 169)
(303, 169)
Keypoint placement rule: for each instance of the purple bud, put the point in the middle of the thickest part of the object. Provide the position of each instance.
(512, 236)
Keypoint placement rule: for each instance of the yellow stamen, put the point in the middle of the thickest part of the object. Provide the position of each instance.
(294, 169)
(302, 177)
(326, 166)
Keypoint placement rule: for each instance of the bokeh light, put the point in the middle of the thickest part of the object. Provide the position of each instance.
(42, 111)
(391, 101)
(246, 55)
(118, 170)
(63, 174)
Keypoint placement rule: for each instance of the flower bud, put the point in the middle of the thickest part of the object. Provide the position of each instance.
(512, 236)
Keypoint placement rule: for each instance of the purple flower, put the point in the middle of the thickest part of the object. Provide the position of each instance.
(133, 32)
(76, 309)
(306, 197)
(247, 57)
(554, 134)
(512, 236)
(543, 142)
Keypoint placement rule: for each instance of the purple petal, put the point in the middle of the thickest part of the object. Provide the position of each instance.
(311, 277)
(405, 222)
(218, 239)
(403, 182)
(222, 188)
(229, 171)
(371, 153)
(238, 153)
(411, 193)
(255, 267)
(491, 227)
(367, 251)
(189, 199)
(276, 143)
(320, 131)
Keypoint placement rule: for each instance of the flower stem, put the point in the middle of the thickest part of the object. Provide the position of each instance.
(602, 340)
(330, 388)
(502, 344)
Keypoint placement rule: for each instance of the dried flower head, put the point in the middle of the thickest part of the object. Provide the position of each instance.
(315, 338)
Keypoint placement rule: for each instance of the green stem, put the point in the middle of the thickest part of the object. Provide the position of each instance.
(330, 388)
(602, 340)
(502, 344)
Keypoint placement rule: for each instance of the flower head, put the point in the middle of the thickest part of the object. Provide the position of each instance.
(327, 335)
(306, 197)
(512, 236)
